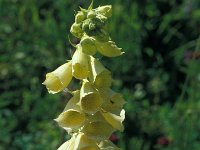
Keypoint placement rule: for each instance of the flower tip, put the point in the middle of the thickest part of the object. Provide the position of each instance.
(56, 119)
(122, 53)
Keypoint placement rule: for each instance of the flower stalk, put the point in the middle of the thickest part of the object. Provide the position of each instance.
(95, 111)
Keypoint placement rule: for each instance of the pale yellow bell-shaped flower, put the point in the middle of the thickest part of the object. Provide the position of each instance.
(107, 145)
(108, 48)
(99, 75)
(114, 120)
(57, 80)
(71, 118)
(98, 130)
(88, 45)
(90, 148)
(84, 143)
(68, 145)
(113, 102)
(73, 102)
(80, 68)
(94, 117)
(90, 100)
(72, 109)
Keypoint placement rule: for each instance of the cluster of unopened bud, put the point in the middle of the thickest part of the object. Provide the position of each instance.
(95, 111)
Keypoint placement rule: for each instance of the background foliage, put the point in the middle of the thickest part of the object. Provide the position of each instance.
(159, 74)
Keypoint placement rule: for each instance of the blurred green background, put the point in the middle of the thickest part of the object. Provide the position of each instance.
(159, 75)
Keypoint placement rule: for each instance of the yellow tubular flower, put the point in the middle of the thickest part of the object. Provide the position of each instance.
(99, 75)
(108, 48)
(94, 117)
(113, 102)
(71, 119)
(69, 145)
(80, 68)
(73, 102)
(114, 120)
(90, 100)
(98, 130)
(84, 143)
(57, 80)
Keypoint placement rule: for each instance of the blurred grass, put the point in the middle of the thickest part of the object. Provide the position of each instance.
(159, 38)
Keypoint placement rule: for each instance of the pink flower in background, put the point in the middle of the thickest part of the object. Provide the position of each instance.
(113, 138)
(163, 140)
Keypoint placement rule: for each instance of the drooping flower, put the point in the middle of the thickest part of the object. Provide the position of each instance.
(57, 80)
(99, 75)
(68, 145)
(113, 101)
(98, 130)
(80, 68)
(71, 118)
(90, 100)
(108, 48)
(114, 120)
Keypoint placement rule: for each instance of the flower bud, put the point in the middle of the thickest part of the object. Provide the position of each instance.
(101, 17)
(91, 14)
(88, 45)
(98, 22)
(105, 10)
(114, 120)
(108, 49)
(57, 80)
(90, 100)
(76, 30)
(71, 119)
(80, 67)
(80, 16)
(92, 26)
(99, 75)
(98, 130)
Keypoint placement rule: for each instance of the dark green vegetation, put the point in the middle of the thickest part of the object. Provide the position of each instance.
(159, 74)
